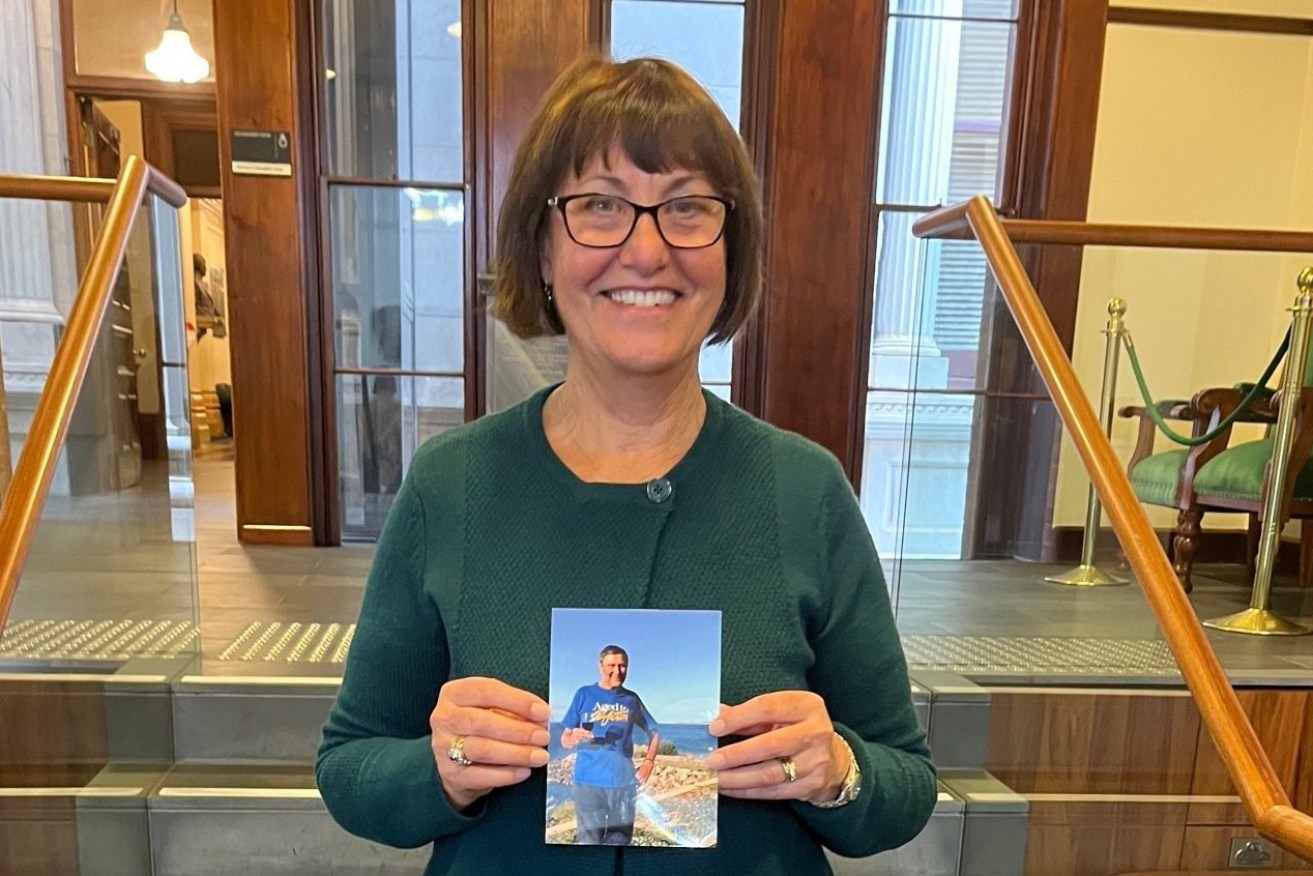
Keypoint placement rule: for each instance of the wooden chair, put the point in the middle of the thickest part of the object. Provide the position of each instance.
(1217, 476)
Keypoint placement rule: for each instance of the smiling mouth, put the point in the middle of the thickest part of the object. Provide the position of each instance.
(642, 297)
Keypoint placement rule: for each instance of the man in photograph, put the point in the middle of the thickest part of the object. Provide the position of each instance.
(600, 725)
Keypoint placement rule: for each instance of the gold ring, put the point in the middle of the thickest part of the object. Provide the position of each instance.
(790, 769)
(456, 753)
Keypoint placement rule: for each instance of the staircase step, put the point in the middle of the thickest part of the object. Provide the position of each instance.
(229, 718)
(215, 820)
(934, 852)
(995, 827)
(957, 721)
(214, 775)
(81, 717)
(218, 819)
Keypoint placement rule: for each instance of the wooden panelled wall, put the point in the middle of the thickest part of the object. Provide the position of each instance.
(271, 281)
(813, 93)
(819, 177)
(1129, 781)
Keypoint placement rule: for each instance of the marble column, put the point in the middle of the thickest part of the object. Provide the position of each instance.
(38, 277)
(343, 89)
(920, 100)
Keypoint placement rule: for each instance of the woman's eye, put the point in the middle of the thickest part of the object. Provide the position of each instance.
(601, 205)
(690, 207)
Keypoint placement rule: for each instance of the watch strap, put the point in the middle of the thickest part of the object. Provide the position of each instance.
(852, 780)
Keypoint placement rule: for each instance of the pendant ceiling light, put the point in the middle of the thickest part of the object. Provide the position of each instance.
(175, 60)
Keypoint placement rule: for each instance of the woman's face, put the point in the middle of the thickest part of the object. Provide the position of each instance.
(612, 329)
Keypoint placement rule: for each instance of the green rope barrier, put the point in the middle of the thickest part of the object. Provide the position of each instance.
(1245, 403)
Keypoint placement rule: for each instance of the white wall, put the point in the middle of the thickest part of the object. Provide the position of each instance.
(1196, 128)
(208, 358)
(1291, 8)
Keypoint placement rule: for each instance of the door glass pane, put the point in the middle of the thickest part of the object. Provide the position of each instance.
(715, 365)
(397, 277)
(914, 491)
(946, 86)
(706, 39)
(945, 91)
(1000, 9)
(393, 89)
(928, 310)
(516, 368)
(382, 419)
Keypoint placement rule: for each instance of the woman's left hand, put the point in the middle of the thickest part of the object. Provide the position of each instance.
(785, 727)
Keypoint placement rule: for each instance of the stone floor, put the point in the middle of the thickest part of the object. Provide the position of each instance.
(112, 561)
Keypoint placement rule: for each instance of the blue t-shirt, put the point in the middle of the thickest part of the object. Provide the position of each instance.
(612, 715)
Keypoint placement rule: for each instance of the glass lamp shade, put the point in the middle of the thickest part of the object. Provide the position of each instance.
(175, 60)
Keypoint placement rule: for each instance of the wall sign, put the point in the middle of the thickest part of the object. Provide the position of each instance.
(262, 153)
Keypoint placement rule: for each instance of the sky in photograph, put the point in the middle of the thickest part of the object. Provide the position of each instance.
(674, 658)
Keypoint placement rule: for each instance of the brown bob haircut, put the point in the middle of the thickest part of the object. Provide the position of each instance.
(663, 120)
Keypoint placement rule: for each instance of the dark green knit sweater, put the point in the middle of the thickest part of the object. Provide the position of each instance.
(491, 531)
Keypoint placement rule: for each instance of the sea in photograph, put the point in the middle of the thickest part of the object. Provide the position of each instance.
(690, 739)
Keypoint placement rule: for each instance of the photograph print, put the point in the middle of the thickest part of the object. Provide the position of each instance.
(631, 694)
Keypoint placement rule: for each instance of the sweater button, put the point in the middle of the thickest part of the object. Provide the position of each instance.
(659, 490)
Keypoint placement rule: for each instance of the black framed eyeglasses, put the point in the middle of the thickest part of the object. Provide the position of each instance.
(605, 221)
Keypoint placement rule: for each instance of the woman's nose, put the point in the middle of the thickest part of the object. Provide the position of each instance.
(645, 244)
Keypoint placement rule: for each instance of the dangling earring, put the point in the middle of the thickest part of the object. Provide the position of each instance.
(552, 319)
(549, 310)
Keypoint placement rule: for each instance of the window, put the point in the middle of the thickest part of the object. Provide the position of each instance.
(946, 86)
(396, 209)
(706, 39)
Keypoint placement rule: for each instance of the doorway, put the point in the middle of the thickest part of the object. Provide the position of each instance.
(181, 139)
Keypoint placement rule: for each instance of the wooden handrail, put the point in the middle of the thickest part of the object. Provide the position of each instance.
(1246, 761)
(84, 189)
(36, 464)
(949, 223)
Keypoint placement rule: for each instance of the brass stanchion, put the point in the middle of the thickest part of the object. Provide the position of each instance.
(1259, 619)
(1087, 574)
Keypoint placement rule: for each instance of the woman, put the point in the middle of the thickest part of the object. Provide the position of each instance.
(632, 224)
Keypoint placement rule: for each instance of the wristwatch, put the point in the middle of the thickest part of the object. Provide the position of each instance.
(852, 781)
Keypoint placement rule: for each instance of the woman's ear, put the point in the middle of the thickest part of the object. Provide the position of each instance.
(545, 269)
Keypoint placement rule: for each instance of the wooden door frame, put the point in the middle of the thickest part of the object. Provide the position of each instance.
(160, 117)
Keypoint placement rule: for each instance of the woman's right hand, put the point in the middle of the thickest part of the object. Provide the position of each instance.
(504, 731)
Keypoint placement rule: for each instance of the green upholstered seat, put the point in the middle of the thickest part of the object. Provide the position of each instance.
(1155, 478)
(1237, 473)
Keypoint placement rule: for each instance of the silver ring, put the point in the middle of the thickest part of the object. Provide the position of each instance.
(456, 753)
(790, 769)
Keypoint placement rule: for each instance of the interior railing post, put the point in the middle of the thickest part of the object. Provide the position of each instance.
(1087, 574)
(1259, 619)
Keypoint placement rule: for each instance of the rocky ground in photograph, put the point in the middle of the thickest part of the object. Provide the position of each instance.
(677, 806)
